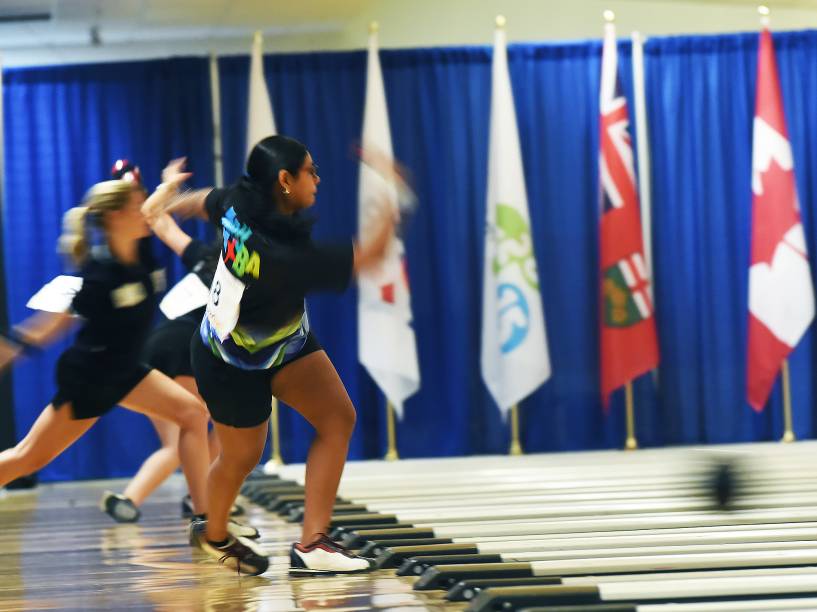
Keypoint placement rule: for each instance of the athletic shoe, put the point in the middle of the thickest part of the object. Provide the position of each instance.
(119, 508)
(323, 556)
(242, 530)
(187, 508)
(237, 553)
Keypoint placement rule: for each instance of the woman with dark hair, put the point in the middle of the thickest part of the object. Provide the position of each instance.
(103, 366)
(255, 342)
(167, 349)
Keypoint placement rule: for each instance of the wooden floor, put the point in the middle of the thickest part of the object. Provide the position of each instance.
(59, 552)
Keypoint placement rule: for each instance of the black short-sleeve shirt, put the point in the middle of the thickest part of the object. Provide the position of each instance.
(117, 302)
(274, 255)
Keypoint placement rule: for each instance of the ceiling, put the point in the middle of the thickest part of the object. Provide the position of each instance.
(73, 22)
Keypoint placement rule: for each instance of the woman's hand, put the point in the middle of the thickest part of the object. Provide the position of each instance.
(160, 200)
(9, 352)
(392, 171)
(373, 248)
(174, 168)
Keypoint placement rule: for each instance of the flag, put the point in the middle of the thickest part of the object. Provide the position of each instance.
(514, 359)
(781, 295)
(629, 345)
(386, 343)
(260, 120)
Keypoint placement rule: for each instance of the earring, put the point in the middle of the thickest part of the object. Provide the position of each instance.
(286, 191)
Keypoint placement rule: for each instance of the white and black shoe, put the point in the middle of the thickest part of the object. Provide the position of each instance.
(234, 528)
(187, 508)
(242, 530)
(326, 557)
(237, 553)
(119, 508)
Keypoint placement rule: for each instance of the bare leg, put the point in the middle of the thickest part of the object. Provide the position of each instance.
(159, 466)
(52, 432)
(189, 383)
(164, 461)
(158, 396)
(312, 387)
(241, 450)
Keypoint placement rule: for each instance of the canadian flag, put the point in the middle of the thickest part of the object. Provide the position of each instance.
(781, 295)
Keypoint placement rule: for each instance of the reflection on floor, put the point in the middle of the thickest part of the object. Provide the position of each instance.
(59, 552)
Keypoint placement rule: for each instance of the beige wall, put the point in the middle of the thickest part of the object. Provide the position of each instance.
(452, 22)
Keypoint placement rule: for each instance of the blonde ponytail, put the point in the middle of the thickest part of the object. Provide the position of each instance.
(100, 199)
(73, 242)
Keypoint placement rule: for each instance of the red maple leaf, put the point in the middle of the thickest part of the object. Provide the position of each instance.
(774, 212)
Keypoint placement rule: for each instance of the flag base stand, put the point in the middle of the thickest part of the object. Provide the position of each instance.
(788, 433)
(516, 446)
(391, 453)
(273, 465)
(630, 443)
(275, 460)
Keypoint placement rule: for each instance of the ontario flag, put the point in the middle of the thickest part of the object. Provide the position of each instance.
(781, 295)
(629, 345)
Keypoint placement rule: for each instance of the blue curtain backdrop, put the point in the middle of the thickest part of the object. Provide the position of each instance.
(700, 98)
(64, 128)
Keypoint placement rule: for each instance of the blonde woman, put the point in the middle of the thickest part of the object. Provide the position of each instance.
(102, 368)
(167, 349)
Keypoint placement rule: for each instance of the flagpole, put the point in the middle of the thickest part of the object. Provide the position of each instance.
(788, 432)
(391, 433)
(215, 96)
(275, 433)
(641, 129)
(261, 123)
(631, 443)
(516, 445)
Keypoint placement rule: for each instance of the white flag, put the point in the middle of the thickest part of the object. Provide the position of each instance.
(260, 120)
(386, 343)
(514, 343)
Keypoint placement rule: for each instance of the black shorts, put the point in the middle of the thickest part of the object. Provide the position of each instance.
(236, 397)
(94, 383)
(168, 347)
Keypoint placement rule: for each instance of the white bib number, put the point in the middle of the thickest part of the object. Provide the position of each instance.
(185, 296)
(224, 303)
(56, 295)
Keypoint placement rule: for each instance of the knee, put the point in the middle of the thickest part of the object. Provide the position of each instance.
(240, 461)
(192, 415)
(169, 454)
(340, 422)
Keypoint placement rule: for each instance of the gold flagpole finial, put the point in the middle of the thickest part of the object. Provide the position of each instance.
(374, 27)
(764, 13)
(609, 16)
(500, 21)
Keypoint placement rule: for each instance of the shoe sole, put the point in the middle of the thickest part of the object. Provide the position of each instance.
(201, 555)
(103, 508)
(300, 571)
(234, 511)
